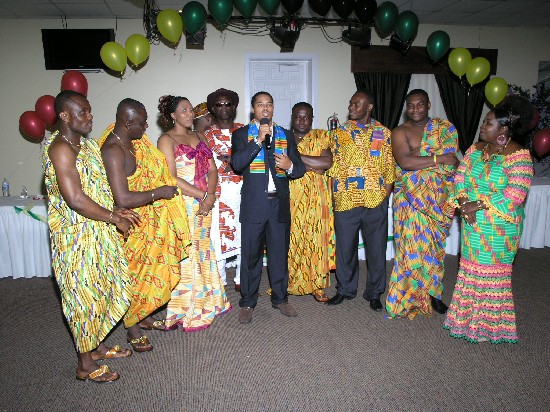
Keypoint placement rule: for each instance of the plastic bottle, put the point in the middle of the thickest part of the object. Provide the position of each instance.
(5, 187)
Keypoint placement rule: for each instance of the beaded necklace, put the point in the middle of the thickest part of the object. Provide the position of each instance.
(485, 152)
(71, 143)
(120, 140)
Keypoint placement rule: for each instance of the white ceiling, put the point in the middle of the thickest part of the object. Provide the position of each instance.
(508, 13)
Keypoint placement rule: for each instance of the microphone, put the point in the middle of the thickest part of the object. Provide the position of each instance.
(267, 141)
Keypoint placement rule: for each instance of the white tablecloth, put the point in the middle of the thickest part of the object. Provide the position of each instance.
(536, 226)
(24, 239)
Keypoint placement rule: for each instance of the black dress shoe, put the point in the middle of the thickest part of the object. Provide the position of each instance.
(438, 305)
(337, 299)
(376, 305)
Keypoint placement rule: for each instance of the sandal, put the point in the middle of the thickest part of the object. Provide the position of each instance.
(100, 372)
(156, 325)
(141, 344)
(320, 296)
(115, 352)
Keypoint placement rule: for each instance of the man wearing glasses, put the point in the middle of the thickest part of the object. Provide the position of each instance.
(226, 229)
(267, 156)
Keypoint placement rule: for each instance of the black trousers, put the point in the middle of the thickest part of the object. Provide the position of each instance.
(276, 235)
(373, 224)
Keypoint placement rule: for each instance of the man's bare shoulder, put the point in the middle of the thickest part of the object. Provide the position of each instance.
(403, 130)
(59, 150)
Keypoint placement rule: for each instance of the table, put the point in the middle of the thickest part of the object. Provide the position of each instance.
(536, 226)
(25, 238)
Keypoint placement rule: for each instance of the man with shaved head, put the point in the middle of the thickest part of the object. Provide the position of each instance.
(87, 257)
(140, 180)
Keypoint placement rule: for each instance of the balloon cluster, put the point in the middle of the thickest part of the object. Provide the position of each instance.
(476, 70)
(136, 49)
(33, 124)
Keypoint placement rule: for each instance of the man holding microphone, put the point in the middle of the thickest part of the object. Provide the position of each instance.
(267, 157)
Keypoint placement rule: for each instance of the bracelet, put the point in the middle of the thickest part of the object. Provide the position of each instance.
(153, 194)
(256, 141)
(480, 205)
(204, 197)
(110, 217)
(435, 159)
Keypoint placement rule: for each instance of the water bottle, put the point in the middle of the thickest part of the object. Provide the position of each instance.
(5, 187)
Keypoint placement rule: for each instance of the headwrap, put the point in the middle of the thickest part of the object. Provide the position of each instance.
(200, 110)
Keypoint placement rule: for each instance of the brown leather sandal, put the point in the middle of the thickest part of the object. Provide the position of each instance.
(141, 344)
(320, 296)
(98, 374)
(116, 352)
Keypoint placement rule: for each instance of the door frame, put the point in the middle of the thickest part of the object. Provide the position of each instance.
(310, 59)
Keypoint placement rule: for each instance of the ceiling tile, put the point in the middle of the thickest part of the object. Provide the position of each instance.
(85, 10)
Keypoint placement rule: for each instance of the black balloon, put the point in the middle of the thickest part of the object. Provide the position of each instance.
(365, 10)
(321, 7)
(343, 8)
(292, 6)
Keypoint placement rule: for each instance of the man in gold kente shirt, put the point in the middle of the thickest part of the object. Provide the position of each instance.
(363, 172)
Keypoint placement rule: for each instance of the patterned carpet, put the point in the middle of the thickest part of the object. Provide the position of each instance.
(343, 358)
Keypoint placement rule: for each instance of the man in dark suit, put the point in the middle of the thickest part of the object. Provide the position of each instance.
(267, 157)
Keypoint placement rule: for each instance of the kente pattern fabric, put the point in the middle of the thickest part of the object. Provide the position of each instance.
(363, 164)
(311, 255)
(422, 218)
(199, 296)
(482, 307)
(258, 164)
(155, 248)
(226, 228)
(87, 257)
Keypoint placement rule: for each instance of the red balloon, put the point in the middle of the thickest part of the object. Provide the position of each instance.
(541, 142)
(44, 108)
(33, 126)
(534, 121)
(75, 81)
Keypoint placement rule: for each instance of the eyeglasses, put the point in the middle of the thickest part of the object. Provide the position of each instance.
(222, 104)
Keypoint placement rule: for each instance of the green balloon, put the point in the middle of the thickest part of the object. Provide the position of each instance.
(407, 25)
(386, 17)
(270, 6)
(193, 16)
(438, 44)
(220, 10)
(478, 69)
(458, 60)
(113, 56)
(245, 7)
(137, 48)
(170, 25)
(496, 90)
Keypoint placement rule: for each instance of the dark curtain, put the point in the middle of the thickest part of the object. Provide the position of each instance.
(389, 91)
(463, 105)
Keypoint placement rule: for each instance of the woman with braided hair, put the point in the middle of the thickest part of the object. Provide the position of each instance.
(492, 182)
(199, 296)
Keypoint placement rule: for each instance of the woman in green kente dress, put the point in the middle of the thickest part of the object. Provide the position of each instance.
(87, 258)
(492, 182)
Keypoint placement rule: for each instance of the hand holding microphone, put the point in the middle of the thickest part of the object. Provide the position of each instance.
(264, 124)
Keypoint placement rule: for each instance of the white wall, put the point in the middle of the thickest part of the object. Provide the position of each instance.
(195, 73)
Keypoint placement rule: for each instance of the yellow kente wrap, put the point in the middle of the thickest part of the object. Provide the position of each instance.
(155, 248)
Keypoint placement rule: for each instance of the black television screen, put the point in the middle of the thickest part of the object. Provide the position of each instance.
(74, 48)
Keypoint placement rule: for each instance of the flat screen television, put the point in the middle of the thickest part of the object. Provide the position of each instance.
(74, 48)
